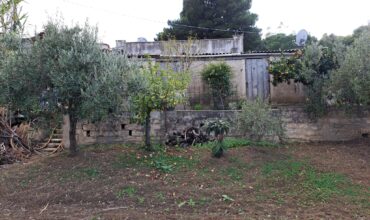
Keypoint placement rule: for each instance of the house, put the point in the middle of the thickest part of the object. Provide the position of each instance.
(250, 76)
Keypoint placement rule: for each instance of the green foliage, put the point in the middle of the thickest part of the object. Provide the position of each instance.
(256, 121)
(198, 107)
(161, 161)
(127, 191)
(350, 84)
(219, 128)
(230, 142)
(310, 67)
(68, 65)
(11, 17)
(279, 42)
(215, 14)
(156, 88)
(314, 185)
(218, 77)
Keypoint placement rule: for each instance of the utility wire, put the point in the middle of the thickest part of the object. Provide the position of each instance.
(160, 22)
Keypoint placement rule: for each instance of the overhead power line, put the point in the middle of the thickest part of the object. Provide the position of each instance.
(160, 22)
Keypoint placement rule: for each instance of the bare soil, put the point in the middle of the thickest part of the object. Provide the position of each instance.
(107, 182)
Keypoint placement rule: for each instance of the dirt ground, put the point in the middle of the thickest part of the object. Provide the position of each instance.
(297, 181)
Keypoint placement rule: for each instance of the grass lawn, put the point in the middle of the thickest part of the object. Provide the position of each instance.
(252, 181)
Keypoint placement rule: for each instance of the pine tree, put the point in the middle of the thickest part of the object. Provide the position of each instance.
(232, 16)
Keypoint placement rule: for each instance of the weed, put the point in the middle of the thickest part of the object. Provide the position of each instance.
(189, 202)
(168, 163)
(79, 174)
(160, 196)
(235, 174)
(126, 160)
(91, 172)
(127, 191)
(141, 200)
(203, 201)
(161, 161)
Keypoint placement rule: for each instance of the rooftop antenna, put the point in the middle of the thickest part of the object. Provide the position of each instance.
(301, 38)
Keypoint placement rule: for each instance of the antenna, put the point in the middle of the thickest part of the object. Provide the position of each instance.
(301, 38)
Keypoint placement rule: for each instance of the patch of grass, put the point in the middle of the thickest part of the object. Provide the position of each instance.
(127, 191)
(310, 183)
(161, 161)
(239, 142)
(91, 172)
(168, 163)
(127, 160)
(80, 174)
(233, 173)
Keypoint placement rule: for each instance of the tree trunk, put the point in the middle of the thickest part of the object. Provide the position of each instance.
(72, 136)
(147, 133)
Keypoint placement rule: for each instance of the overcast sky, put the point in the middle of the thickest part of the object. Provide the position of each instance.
(130, 19)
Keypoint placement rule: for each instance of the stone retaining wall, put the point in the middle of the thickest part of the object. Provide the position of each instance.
(336, 126)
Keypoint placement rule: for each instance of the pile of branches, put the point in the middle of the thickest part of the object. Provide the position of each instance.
(12, 146)
(188, 137)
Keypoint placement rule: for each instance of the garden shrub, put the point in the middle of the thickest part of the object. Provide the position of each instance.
(256, 121)
(218, 78)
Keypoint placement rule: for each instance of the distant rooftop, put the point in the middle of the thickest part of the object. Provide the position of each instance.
(205, 46)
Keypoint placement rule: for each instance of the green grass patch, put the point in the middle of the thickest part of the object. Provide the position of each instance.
(310, 183)
(126, 191)
(80, 174)
(160, 160)
(239, 142)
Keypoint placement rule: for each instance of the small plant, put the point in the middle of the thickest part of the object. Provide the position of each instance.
(127, 191)
(162, 165)
(141, 200)
(219, 128)
(198, 107)
(190, 203)
(256, 121)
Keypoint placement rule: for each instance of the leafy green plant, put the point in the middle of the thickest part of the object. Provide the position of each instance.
(218, 77)
(156, 88)
(312, 67)
(219, 128)
(351, 82)
(68, 64)
(198, 107)
(256, 121)
(127, 191)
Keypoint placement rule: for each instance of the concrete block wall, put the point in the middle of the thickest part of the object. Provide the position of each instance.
(336, 126)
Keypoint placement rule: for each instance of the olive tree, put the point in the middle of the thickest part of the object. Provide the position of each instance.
(350, 84)
(66, 65)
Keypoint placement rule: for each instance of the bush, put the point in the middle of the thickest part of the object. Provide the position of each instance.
(256, 121)
(218, 77)
(350, 84)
